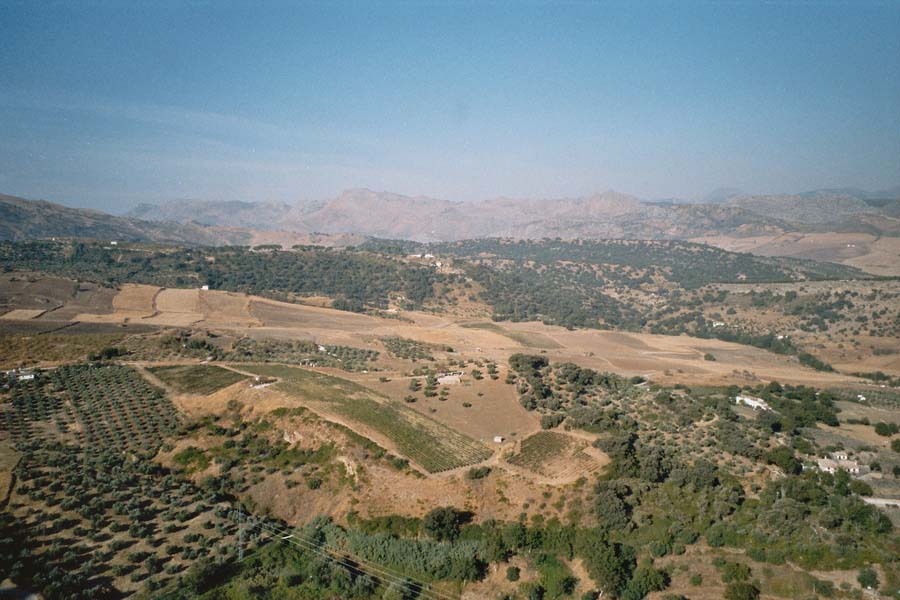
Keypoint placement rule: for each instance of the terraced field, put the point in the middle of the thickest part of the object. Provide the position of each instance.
(432, 445)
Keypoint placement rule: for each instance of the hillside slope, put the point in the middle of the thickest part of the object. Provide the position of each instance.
(22, 219)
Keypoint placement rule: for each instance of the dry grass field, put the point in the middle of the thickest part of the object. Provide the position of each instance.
(528, 339)
(430, 444)
(378, 488)
(879, 255)
(197, 379)
(34, 291)
(22, 314)
(17, 350)
(132, 302)
(662, 358)
(225, 309)
(88, 297)
(494, 406)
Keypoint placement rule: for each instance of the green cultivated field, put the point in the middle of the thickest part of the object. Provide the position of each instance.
(430, 444)
(539, 448)
(197, 379)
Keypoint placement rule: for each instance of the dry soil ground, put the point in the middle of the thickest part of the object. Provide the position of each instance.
(879, 255)
(662, 358)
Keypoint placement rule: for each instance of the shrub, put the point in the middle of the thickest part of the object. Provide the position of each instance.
(741, 590)
(443, 523)
(478, 472)
(783, 457)
(886, 429)
(868, 578)
(551, 421)
(860, 487)
(735, 572)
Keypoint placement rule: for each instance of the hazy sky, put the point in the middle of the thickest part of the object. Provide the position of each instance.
(107, 105)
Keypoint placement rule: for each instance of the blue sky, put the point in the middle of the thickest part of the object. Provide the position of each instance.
(107, 104)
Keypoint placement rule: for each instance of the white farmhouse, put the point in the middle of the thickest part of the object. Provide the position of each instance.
(752, 402)
(830, 465)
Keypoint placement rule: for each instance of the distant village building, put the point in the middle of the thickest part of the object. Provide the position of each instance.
(752, 402)
(205, 288)
(449, 378)
(832, 466)
(840, 461)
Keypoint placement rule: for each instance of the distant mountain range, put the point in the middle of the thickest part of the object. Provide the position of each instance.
(22, 219)
(361, 212)
(607, 215)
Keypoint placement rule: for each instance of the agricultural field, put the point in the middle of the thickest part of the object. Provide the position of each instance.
(33, 291)
(525, 338)
(301, 352)
(196, 379)
(433, 446)
(408, 349)
(110, 405)
(541, 447)
(94, 524)
(22, 350)
(557, 456)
